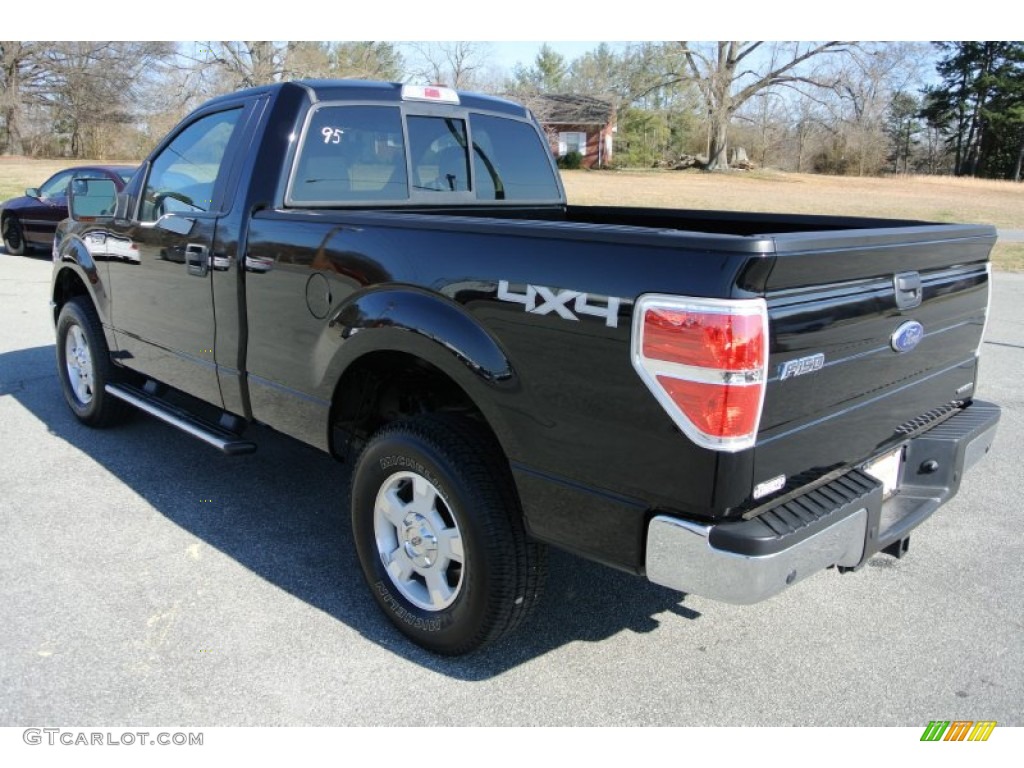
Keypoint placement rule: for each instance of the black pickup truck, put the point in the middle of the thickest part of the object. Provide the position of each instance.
(722, 402)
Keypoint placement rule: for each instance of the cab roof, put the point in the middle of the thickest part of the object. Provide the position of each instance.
(372, 90)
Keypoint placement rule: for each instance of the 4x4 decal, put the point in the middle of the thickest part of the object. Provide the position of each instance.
(541, 300)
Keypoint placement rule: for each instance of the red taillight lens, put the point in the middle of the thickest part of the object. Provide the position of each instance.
(706, 362)
(716, 409)
(710, 340)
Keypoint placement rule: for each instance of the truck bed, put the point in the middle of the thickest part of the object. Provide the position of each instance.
(828, 282)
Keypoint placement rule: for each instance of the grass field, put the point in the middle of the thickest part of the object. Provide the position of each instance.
(18, 173)
(928, 198)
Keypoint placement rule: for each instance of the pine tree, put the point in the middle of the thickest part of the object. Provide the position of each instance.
(979, 105)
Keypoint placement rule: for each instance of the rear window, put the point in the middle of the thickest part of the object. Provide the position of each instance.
(510, 161)
(352, 153)
(361, 154)
(439, 158)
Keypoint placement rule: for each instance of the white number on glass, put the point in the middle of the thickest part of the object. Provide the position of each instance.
(331, 135)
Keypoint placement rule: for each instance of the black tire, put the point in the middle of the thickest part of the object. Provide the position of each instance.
(13, 236)
(80, 339)
(473, 501)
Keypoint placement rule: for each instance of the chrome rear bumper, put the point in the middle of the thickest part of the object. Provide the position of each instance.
(842, 523)
(680, 556)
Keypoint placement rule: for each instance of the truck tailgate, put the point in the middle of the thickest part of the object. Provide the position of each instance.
(874, 334)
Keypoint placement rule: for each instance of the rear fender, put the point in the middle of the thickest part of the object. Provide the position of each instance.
(434, 329)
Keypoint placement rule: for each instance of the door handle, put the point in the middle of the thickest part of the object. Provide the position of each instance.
(197, 259)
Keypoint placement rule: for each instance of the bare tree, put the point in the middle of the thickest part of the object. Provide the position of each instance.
(866, 81)
(453, 63)
(730, 74)
(366, 59)
(765, 115)
(15, 56)
(83, 87)
(238, 64)
(809, 127)
(363, 59)
(215, 67)
(305, 60)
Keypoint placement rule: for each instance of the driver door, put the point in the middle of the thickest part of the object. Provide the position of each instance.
(160, 273)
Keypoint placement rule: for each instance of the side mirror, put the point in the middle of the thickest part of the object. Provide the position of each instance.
(179, 225)
(32, 192)
(89, 199)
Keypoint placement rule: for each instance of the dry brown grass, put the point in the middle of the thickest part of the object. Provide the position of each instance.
(1008, 257)
(18, 173)
(928, 198)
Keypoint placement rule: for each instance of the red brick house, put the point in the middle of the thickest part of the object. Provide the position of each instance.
(583, 124)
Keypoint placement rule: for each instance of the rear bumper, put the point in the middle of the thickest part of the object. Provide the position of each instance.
(843, 522)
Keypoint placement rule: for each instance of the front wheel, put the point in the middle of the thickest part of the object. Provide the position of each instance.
(13, 236)
(83, 364)
(439, 533)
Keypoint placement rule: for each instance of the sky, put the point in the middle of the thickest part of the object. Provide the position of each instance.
(521, 20)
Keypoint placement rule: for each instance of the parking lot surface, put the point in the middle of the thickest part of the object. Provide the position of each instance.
(147, 579)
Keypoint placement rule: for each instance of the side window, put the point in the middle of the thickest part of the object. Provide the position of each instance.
(511, 161)
(56, 186)
(351, 154)
(183, 175)
(440, 162)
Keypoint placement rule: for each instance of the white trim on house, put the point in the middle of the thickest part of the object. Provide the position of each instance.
(572, 141)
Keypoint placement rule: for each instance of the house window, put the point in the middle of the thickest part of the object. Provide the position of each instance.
(572, 141)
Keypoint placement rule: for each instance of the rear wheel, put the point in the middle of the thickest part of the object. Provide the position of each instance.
(83, 364)
(439, 533)
(13, 236)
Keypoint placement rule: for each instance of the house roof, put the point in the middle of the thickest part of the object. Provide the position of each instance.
(570, 109)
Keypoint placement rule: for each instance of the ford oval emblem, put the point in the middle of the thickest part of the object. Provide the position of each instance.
(907, 336)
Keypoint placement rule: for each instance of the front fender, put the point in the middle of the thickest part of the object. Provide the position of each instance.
(74, 260)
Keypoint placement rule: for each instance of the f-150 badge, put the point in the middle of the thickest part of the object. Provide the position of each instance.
(541, 300)
(802, 365)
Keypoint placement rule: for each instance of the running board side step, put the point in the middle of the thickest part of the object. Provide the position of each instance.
(222, 439)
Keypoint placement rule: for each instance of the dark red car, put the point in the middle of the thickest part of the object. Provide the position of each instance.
(32, 219)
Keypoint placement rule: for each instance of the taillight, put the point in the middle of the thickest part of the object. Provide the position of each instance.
(706, 361)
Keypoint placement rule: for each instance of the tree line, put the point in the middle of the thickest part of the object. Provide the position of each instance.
(842, 107)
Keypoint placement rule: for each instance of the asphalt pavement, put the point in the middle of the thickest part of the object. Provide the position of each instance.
(146, 579)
